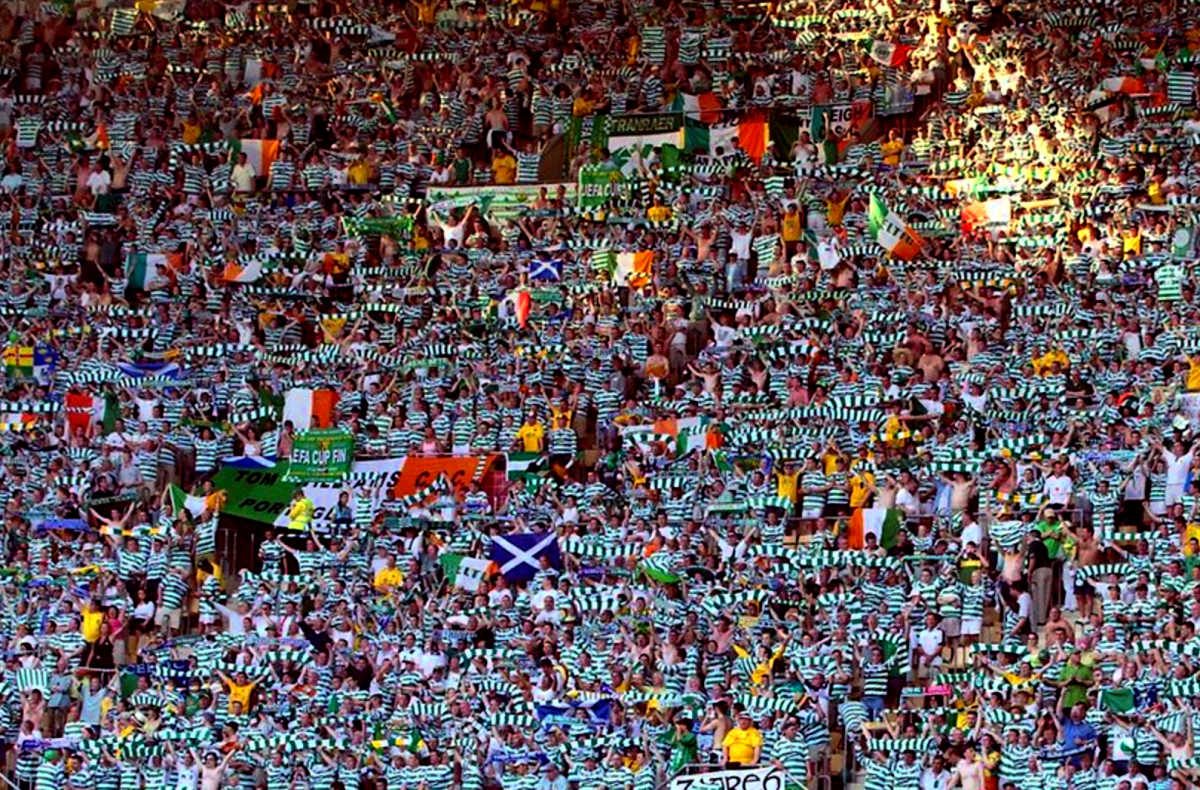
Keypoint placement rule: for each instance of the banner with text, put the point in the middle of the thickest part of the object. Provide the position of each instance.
(769, 778)
(420, 472)
(321, 456)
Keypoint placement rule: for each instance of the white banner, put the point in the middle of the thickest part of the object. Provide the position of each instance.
(767, 778)
(324, 496)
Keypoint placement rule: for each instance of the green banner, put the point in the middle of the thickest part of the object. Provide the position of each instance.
(323, 455)
(597, 184)
(258, 494)
(644, 124)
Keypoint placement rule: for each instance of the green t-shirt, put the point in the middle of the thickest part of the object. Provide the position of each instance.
(1052, 537)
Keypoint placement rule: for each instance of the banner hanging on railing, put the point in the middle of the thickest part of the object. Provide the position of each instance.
(767, 778)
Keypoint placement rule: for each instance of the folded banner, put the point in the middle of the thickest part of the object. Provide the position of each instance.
(321, 455)
(753, 779)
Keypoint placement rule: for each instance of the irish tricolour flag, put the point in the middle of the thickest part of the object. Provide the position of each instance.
(307, 408)
(891, 231)
(151, 271)
(243, 271)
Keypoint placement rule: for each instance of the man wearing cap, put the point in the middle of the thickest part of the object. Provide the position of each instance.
(742, 746)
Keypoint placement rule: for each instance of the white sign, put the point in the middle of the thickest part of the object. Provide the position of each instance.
(768, 778)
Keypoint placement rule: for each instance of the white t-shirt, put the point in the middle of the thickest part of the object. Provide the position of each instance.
(98, 182)
(1058, 489)
(242, 177)
(930, 640)
(739, 244)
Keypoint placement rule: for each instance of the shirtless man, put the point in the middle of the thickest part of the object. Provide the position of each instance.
(1087, 552)
(968, 774)
(962, 488)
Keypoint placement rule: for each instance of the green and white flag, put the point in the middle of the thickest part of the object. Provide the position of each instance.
(524, 465)
(658, 567)
(182, 500)
(1183, 242)
(464, 572)
(33, 678)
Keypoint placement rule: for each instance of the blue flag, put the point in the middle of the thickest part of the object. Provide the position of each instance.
(545, 270)
(598, 711)
(519, 555)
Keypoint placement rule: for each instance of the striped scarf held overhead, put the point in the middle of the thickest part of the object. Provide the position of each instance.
(29, 678)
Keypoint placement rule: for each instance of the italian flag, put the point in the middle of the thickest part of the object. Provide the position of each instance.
(83, 410)
(882, 522)
(885, 53)
(891, 231)
(633, 268)
(992, 214)
(242, 273)
(309, 408)
(151, 271)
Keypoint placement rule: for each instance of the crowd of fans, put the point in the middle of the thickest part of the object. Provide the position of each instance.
(854, 447)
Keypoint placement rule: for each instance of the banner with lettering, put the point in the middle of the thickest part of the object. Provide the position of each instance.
(831, 120)
(767, 778)
(323, 455)
(420, 472)
(257, 493)
(502, 201)
(597, 184)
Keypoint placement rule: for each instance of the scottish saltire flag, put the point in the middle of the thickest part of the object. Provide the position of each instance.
(518, 555)
(168, 370)
(598, 711)
(545, 270)
(249, 461)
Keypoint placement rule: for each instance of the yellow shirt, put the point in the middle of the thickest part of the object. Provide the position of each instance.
(835, 210)
(300, 513)
(741, 744)
(358, 173)
(531, 437)
(785, 485)
(504, 169)
(860, 488)
(191, 133)
(90, 627)
(891, 152)
(1193, 375)
(388, 577)
(658, 214)
(790, 228)
(240, 694)
(1131, 241)
(581, 107)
